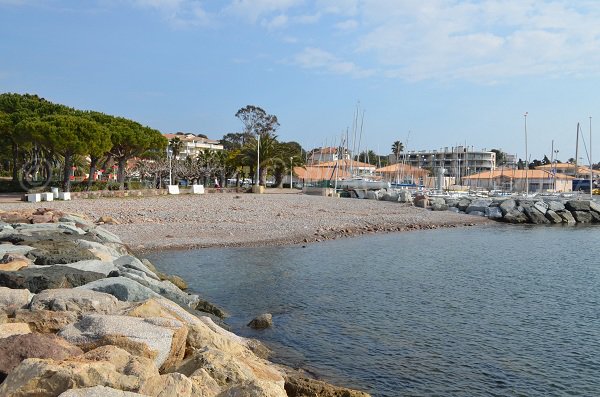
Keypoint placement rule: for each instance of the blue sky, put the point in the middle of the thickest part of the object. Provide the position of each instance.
(431, 73)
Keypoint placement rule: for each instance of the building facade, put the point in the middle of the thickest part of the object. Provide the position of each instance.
(191, 145)
(457, 161)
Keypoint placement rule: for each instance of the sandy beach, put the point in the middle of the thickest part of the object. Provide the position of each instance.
(230, 219)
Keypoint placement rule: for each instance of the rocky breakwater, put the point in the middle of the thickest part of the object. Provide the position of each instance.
(543, 210)
(81, 316)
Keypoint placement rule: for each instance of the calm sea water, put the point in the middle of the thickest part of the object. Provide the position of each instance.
(492, 311)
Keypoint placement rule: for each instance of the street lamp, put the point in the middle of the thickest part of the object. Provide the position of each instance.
(526, 160)
(291, 171)
(170, 156)
(257, 183)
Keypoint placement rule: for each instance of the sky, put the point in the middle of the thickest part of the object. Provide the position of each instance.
(429, 73)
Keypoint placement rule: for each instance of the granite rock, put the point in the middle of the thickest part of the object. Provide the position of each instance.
(74, 300)
(13, 299)
(261, 322)
(47, 277)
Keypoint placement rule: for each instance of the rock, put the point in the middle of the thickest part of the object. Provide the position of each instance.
(555, 205)
(10, 329)
(107, 220)
(13, 299)
(122, 288)
(107, 237)
(176, 280)
(404, 196)
(230, 369)
(203, 384)
(261, 322)
(14, 262)
(439, 207)
(164, 288)
(75, 300)
(535, 216)
(463, 204)
(131, 262)
(14, 249)
(437, 200)
(553, 217)
(150, 266)
(507, 206)
(515, 216)
(578, 205)
(390, 196)
(78, 221)
(595, 216)
(98, 250)
(256, 389)
(479, 205)
(421, 202)
(17, 348)
(168, 385)
(594, 206)
(582, 216)
(160, 307)
(298, 386)
(99, 391)
(47, 218)
(108, 366)
(164, 336)
(51, 252)
(541, 207)
(207, 307)
(477, 213)
(39, 279)
(45, 321)
(566, 216)
(452, 202)
(453, 209)
(93, 265)
(495, 213)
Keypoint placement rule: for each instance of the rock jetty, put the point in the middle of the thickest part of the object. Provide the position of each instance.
(81, 316)
(542, 210)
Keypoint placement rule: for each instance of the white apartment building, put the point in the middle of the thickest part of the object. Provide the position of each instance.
(457, 161)
(192, 144)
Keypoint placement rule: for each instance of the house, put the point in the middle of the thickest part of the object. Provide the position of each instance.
(192, 145)
(354, 168)
(402, 173)
(576, 171)
(512, 180)
(327, 154)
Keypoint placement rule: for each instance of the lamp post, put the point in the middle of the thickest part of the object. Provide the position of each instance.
(291, 171)
(257, 183)
(526, 160)
(591, 165)
(170, 156)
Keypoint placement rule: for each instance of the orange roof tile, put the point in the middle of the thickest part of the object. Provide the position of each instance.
(517, 174)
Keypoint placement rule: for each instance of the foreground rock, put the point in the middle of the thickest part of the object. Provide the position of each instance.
(261, 322)
(111, 325)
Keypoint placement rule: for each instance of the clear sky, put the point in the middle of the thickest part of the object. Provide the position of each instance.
(430, 73)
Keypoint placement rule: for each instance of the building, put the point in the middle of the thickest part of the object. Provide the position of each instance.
(403, 174)
(192, 145)
(456, 161)
(513, 180)
(327, 154)
(355, 168)
(576, 171)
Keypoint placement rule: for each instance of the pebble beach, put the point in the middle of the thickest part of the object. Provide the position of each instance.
(239, 219)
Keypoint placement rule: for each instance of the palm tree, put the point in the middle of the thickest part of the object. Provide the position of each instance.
(176, 145)
(397, 148)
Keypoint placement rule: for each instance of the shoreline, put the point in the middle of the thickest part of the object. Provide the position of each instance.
(231, 220)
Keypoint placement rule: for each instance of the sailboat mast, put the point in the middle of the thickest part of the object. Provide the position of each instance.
(591, 164)
(576, 151)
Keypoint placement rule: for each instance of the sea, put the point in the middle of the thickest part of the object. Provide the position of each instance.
(499, 310)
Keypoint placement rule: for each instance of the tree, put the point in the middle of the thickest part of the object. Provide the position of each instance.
(545, 160)
(235, 140)
(176, 145)
(500, 156)
(369, 157)
(397, 148)
(67, 135)
(261, 126)
(130, 139)
(101, 144)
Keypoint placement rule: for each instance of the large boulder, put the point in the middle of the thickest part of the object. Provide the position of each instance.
(13, 299)
(166, 337)
(261, 322)
(578, 205)
(14, 262)
(495, 213)
(122, 288)
(479, 205)
(535, 216)
(230, 369)
(53, 252)
(164, 288)
(167, 385)
(582, 216)
(74, 300)
(99, 391)
(255, 388)
(515, 216)
(131, 262)
(98, 250)
(553, 217)
(39, 279)
(10, 329)
(437, 200)
(14, 249)
(507, 206)
(541, 206)
(555, 205)
(107, 366)
(93, 265)
(404, 196)
(106, 236)
(439, 207)
(390, 196)
(594, 206)
(463, 204)
(17, 348)
(300, 386)
(421, 201)
(566, 216)
(45, 321)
